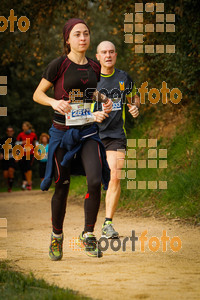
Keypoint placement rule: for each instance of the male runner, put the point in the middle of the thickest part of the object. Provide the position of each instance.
(115, 84)
(10, 164)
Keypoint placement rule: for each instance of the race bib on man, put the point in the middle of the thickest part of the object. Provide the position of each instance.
(116, 104)
(79, 115)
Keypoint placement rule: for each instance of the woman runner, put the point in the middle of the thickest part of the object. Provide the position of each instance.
(74, 145)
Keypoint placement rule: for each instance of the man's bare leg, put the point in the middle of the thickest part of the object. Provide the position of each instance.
(116, 161)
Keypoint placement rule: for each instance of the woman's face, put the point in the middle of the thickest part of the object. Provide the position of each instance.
(25, 127)
(79, 38)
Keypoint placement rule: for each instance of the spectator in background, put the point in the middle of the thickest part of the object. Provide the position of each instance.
(43, 140)
(8, 165)
(26, 164)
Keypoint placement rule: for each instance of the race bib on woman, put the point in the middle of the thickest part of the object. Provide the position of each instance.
(79, 115)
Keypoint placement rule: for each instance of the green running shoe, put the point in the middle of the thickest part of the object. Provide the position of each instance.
(55, 248)
(89, 244)
(108, 231)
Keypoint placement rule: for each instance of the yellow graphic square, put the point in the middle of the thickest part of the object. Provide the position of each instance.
(138, 7)
(138, 27)
(138, 38)
(142, 163)
(152, 164)
(159, 7)
(131, 164)
(131, 174)
(149, 7)
(149, 48)
(152, 185)
(139, 17)
(162, 164)
(131, 153)
(160, 49)
(138, 49)
(162, 153)
(121, 163)
(131, 143)
(159, 27)
(3, 111)
(3, 222)
(149, 28)
(170, 18)
(170, 28)
(121, 174)
(128, 17)
(162, 185)
(3, 79)
(141, 142)
(152, 143)
(141, 185)
(128, 27)
(128, 38)
(170, 48)
(131, 185)
(3, 90)
(152, 153)
(160, 18)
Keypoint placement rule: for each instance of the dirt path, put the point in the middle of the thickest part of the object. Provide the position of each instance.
(118, 275)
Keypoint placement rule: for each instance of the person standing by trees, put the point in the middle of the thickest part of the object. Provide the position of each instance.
(26, 164)
(10, 164)
(44, 141)
(112, 132)
(74, 140)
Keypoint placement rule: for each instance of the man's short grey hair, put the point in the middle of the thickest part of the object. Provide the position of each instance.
(102, 43)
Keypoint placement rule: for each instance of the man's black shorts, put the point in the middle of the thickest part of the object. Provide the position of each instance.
(6, 164)
(114, 144)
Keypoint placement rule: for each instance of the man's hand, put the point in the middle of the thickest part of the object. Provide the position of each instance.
(107, 107)
(133, 110)
(62, 106)
(1, 156)
(99, 116)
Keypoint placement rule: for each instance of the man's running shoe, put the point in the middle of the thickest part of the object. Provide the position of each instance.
(55, 248)
(108, 231)
(89, 244)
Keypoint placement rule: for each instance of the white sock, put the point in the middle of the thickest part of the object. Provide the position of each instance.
(88, 233)
(57, 235)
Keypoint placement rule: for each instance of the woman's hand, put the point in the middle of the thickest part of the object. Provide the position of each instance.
(107, 107)
(61, 106)
(99, 116)
(133, 110)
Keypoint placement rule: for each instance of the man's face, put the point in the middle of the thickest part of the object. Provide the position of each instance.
(106, 55)
(10, 132)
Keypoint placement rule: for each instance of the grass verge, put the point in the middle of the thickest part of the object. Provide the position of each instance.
(16, 286)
